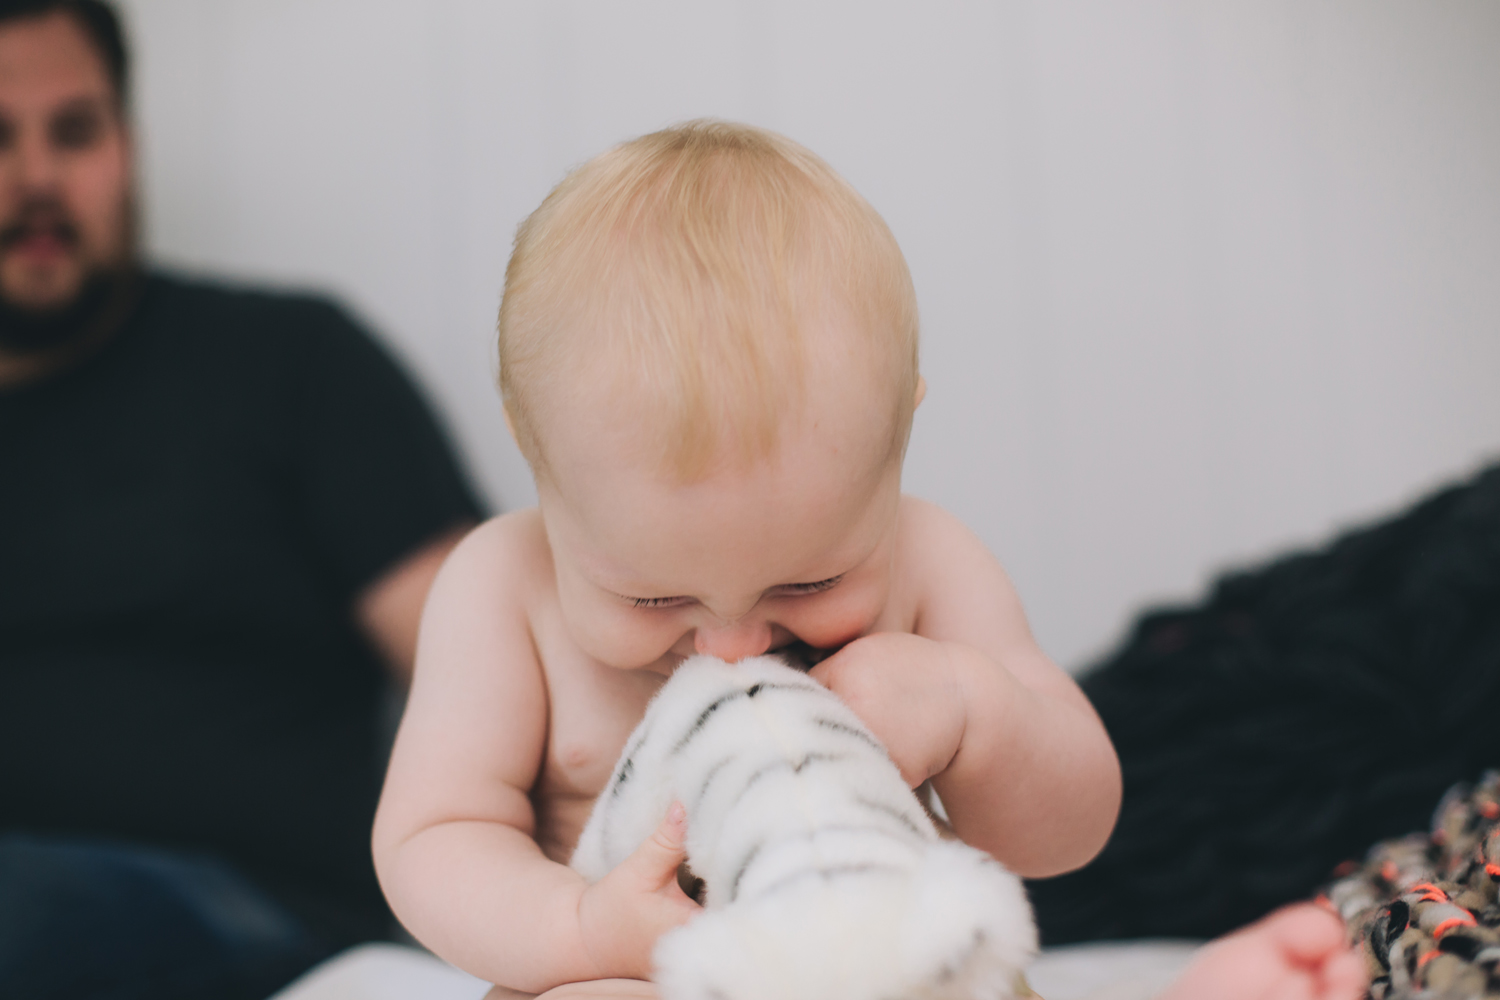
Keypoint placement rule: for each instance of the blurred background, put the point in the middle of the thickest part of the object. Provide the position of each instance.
(1199, 282)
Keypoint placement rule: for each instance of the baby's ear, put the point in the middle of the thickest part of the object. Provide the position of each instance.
(921, 394)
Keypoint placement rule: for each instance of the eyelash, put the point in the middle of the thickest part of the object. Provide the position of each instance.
(790, 588)
(653, 602)
(812, 588)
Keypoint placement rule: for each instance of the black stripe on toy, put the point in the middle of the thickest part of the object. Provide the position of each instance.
(832, 871)
(836, 726)
(893, 812)
(794, 766)
(627, 764)
(703, 717)
(739, 873)
(708, 779)
(813, 834)
(720, 702)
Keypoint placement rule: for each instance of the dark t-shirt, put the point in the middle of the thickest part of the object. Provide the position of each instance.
(185, 520)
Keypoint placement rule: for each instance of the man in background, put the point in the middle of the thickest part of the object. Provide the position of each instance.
(220, 512)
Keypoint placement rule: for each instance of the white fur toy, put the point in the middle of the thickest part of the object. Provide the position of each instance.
(826, 879)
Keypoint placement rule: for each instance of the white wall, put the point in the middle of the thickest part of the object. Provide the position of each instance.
(1198, 281)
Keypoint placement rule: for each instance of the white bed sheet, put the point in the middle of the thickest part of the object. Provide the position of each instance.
(1127, 971)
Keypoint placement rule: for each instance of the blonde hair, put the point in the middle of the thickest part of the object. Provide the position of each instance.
(689, 261)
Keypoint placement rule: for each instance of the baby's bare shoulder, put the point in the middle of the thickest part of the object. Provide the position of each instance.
(505, 553)
(960, 588)
(477, 635)
(929, 537)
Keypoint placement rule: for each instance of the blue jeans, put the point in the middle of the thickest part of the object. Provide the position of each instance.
(110, 921)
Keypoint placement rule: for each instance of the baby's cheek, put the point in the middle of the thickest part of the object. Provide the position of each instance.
(620, 638)
(834, 626)
(628, 649)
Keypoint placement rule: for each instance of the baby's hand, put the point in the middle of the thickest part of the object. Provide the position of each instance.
(907, 690)
(621, 916)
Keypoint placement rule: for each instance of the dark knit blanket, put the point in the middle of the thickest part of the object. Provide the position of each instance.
(1305, 711)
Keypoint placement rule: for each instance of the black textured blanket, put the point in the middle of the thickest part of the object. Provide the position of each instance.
(1305, 711)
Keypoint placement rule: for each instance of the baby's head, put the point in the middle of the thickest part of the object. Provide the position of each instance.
(708, 354)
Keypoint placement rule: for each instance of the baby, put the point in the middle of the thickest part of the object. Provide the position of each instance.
(708, 355)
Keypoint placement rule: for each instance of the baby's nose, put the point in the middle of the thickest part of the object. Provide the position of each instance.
(734, 641)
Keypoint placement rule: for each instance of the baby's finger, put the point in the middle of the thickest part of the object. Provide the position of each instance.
(827, 672)
(654, 864)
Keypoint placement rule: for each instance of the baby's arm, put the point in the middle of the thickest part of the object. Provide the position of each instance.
(453, 835)
(1017, 754)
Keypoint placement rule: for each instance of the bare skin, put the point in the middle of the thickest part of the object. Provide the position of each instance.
(1297, 953)
(548, 630)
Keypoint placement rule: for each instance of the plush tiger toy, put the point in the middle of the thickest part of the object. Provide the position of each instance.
(825, 878)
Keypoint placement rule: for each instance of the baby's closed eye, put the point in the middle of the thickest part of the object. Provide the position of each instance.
(785, 590)
(810, 588)
(657, 602)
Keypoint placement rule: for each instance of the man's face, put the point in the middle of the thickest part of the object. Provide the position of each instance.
(64, 166)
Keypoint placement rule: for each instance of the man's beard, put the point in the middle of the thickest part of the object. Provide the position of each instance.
(31, 331)
(27, 330)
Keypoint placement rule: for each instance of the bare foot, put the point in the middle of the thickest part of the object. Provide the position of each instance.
(1296, 953)
(601, 989)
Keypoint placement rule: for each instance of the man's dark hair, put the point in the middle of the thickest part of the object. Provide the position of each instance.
(99, 22)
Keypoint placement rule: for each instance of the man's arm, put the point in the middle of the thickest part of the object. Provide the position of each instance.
(389, 609)
(381, 497)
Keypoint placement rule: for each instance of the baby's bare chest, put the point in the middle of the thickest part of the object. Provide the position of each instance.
(591, 711)
(589, 720)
